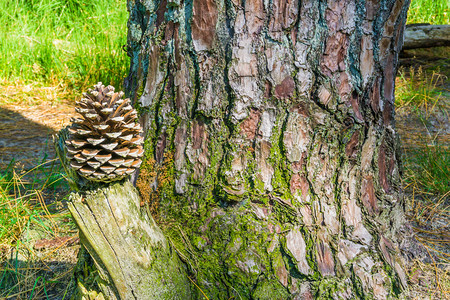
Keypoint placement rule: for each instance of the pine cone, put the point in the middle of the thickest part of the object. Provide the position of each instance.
(104, 145)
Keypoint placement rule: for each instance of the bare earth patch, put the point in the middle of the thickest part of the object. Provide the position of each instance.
(29, 115)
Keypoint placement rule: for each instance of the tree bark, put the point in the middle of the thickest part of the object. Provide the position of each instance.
(426, 36)
(271, 154)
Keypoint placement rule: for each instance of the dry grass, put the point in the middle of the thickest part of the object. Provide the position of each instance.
(34, 259)
(430, 215)
(422, 119)
(32, 93)
(38, 274)
(48, 105)
(426, 180)
(428, 281)
(418, 89)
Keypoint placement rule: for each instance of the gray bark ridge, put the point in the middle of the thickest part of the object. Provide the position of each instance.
(133, 257)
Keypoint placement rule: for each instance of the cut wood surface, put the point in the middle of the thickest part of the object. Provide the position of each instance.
(426, 36)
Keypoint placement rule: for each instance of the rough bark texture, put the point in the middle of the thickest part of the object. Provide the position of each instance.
(271, 153)
(130, 252)
(426, 36)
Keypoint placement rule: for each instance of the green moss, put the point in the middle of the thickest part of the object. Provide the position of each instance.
(328, 287)
(258, 186)
(141, 90)
(277, 158)
(280, 184)
(270, 289)
(231, 253)
(284, 214)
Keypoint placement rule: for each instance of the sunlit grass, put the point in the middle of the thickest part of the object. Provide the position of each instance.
(73, 42)
(426, 11)
(32, 93)
(418, 89)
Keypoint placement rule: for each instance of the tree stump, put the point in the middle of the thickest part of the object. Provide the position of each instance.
(132, 255)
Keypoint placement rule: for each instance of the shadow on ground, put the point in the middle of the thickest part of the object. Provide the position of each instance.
(29, 279)
(23, 141)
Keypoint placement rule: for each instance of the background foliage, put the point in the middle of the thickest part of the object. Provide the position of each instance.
(79, 42)
(429, 11)
(69, 42)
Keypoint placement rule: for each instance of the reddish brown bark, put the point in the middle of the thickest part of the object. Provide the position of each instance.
(271, 123)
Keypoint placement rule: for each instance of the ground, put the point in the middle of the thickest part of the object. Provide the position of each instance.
(38, 253)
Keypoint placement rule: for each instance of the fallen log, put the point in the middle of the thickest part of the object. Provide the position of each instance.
(426, 36)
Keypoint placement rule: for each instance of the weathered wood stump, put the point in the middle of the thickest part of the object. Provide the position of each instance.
(132, 255)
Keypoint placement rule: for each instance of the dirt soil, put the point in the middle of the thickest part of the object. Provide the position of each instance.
(29, 116)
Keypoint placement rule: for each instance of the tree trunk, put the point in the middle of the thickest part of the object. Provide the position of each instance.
(271, 155)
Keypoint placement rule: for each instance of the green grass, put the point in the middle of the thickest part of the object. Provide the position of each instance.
(420, 92)
(429, 11)
(21, 198)
(25, 212)
(428, 168)
(416, 88)
(72, 42)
